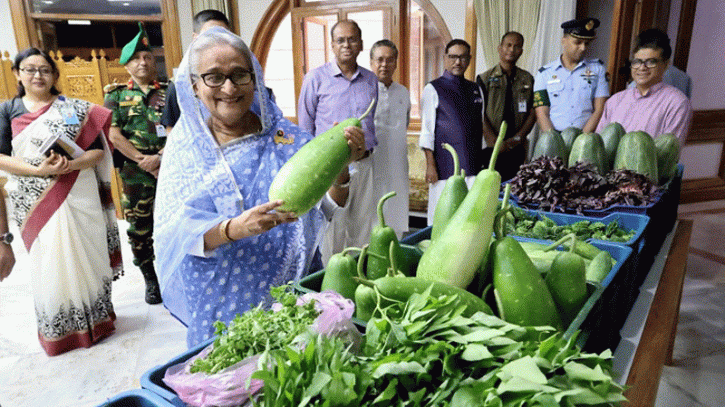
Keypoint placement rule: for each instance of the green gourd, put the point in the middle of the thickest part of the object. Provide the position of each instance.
(589, 148)
(570, 134)
(637, 152)
(567, 283)
(611, 135)
(339, 273)
(521, 294)
(668, 155)
(309, 173)
(600, 267)
(381, 238)
(455, 256)
(453, 194)
(550, 144)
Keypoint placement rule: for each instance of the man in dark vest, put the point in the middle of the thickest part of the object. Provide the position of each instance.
(452, 112)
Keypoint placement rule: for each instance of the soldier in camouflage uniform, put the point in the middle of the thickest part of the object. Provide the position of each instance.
(137, 134)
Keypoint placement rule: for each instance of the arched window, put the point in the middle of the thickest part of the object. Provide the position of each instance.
(295, 40)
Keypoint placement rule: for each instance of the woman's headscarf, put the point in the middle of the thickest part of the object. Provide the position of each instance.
(193, 160)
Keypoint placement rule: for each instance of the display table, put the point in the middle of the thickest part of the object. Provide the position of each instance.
(649, 333)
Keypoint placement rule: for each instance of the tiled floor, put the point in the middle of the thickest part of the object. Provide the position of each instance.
(147, 335)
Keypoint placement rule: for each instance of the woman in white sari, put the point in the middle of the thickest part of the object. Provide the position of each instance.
(55, 149)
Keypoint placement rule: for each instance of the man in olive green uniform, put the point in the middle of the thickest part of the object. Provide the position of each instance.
(139, 137)
(508, 91)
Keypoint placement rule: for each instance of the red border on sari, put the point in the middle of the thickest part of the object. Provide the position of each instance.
(78, 339)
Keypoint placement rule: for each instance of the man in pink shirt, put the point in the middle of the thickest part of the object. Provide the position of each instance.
(652, 106)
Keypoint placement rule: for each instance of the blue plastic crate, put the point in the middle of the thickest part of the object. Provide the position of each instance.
(152, 379)
(136, 398)
(594, 316)
(662, 207)
(627, 221)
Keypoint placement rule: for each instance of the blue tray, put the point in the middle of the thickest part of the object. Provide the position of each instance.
(152, 379)
(594, 316)
(663, 205)
(136, 398)
(627, 221)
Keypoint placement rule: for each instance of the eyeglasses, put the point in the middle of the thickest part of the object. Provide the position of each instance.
(462, 58)
(32, 71)
(649, 63)
(216, 79)
(349, 40)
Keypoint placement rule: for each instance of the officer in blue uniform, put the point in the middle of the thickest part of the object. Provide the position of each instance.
(571, 90)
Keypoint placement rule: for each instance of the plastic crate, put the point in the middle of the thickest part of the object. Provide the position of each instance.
(136, 398)
(664, 208)
(627, 221)
(152, 380)
(604, 310)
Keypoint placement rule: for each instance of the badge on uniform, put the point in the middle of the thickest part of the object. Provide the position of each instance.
(588, 75)
(69, 115)
(160, 131)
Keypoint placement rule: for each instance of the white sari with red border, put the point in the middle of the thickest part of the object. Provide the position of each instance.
(68, 227)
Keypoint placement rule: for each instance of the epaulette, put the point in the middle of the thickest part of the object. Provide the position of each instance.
(596, 60)
(112, 86)
(542, 69)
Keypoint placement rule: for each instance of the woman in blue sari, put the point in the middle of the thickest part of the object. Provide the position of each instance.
(220, 244)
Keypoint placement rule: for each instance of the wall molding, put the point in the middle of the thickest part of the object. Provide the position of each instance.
(708, 126)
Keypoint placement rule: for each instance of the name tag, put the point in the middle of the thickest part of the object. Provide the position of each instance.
(125, 103)
(522, 106)
(160, 131)
(554, 81)
(69, 115)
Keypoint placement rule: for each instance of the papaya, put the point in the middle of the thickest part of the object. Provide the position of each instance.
(611, 135)
(589, 148)
(550, 144)
(668, 155)
(570, 134)
(637, 152)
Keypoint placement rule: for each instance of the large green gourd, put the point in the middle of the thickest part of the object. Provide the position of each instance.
(453, 194)
(570, 134)
(521, 294)
(550, 144)
(637, 152)
(668, 155)
(304, 179)
(454, 257)
(611, 135)
(589, 148)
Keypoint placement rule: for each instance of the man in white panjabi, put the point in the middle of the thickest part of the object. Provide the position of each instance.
(390, 158)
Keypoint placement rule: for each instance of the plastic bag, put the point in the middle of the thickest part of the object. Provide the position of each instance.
(232, 386)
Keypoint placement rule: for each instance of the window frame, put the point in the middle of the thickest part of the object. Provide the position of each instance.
(25, 24)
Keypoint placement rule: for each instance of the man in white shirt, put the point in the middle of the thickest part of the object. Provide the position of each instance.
(452, 112)
(390, 158)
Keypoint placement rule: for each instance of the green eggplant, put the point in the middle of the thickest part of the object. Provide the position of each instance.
(380, 240)
(453, 194)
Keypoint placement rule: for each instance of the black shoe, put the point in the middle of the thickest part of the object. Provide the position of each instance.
(153, 294)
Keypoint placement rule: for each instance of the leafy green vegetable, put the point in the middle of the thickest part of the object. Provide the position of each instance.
(521, 223)
(425, 353)
(257, 330)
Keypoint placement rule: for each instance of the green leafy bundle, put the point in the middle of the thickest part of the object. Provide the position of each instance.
(425, 353)
(257, 330)
(523, 224)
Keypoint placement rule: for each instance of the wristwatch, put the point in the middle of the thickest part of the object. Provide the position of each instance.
(6, 238)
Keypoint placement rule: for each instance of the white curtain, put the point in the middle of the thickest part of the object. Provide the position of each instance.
(496, 17)
(547, 45)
